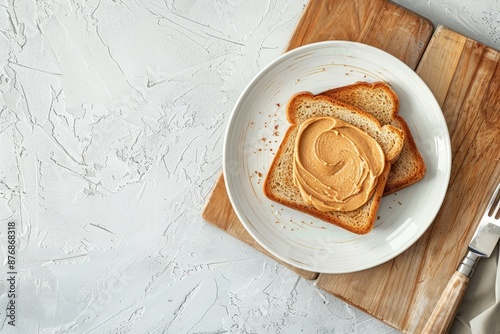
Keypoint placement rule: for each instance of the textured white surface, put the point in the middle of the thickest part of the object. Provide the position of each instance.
(111, 122)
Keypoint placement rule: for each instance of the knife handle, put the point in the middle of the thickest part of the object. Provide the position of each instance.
(444, 312)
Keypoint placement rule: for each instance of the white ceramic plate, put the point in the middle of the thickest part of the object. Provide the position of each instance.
(257, 126)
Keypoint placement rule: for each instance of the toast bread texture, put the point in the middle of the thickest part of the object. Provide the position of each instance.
(382, 102)
(279, 185)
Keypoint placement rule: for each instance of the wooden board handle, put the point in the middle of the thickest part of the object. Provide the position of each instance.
(442, 315)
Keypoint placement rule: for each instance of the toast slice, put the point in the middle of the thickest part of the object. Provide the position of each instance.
(382, 102)
(279, 185)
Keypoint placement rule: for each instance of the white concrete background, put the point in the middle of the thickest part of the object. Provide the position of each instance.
(111, 128)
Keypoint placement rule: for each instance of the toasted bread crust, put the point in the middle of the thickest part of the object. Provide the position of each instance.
(292, 107)
(400, 180)
(410, 167)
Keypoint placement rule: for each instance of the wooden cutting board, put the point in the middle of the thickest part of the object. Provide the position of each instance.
(464, 76)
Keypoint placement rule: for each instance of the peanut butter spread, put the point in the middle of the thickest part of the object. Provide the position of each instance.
(336, 165)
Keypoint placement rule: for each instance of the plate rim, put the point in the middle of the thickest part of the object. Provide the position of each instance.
(316, 46)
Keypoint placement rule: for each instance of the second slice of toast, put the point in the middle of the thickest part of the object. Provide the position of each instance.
(381, 101)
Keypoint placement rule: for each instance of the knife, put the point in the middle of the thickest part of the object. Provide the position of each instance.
(482, 244)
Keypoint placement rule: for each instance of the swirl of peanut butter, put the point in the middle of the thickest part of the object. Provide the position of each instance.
(336, 165)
